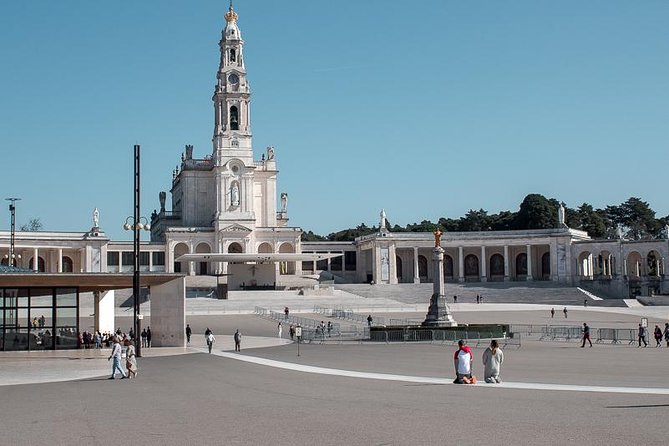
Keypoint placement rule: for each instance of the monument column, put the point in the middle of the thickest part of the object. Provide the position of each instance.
(461, 264)
(529, 262)
(506, 263)
(438, 314)
(416, 278)
(484, 273)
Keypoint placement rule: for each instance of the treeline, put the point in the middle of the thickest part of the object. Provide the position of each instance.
(634, 218)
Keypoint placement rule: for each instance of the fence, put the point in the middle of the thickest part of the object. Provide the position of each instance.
(303, 322)
(476, 338)
(560, 333)
(348, 315)
(617, 335)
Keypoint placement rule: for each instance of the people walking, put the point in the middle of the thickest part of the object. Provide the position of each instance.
(116, 356)
(238, 341)
(210, 340)
(666, 333)
(207, 331)
(148, 337)
(143, 336)
(642, 336)
(493, 357)
(658, 336)
(329, 328)
(188, 333)
(279, 329)
(130, 359)
(565, 312)
(552, 313)
(585, 302)
(369, 320)
(286, 311)
(586, 335)
(463, 364)
(478, 299)
(291, 332)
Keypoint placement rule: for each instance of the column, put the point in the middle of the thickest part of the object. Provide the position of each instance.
(329, 266)
(461, 264)
(35, 260)
(59, 265)
(529, 262)
(416, 278)
(150, 260)
(506, 263)
(484, 273)
(104, 311)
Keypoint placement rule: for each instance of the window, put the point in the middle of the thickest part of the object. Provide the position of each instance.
(350, 260)
(144, 258)
(158, 258)
(127, 259)
(234, 118)
(233, 55)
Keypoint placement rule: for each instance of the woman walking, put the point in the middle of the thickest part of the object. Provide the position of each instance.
(493, 357)
(658, 336)
(279, 329)
(130, 359)
(210, 340)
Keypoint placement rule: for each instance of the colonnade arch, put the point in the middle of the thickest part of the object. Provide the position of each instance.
(204, 268)
(179, 250)
(287, 267)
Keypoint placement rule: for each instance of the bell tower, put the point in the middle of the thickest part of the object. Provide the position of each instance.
(232, 98)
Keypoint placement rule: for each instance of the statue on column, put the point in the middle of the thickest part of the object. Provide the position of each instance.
(96, 218)
(561, 217)
(382, 222)
(437, 238)
(284, 202)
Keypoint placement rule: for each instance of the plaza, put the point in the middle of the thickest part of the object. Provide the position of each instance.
(553, 392)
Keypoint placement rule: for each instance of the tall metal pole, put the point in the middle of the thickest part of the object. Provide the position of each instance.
(135, 277)
(11, 260)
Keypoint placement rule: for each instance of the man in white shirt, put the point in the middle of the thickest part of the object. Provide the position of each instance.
(116, 355)
(463, 363)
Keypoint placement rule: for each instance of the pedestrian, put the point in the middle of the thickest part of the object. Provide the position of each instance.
(238, 340)
(116, 355)
(463, 364)
(207, 331)
(148, 337)
(369, 320)
(658, 336)
(285, 312)
(565, 312)
(478, 299)
(291, 332)
(98, 340)
(188, 333)
(143, 336)
(210, 340)
(321, 328)
(455, 299)
(666, 333)
(585, 302)
(552, 313)
(130, 359)
(642, 336)
(493, 357)
(329, 328)
(279, 329)
(586, 335)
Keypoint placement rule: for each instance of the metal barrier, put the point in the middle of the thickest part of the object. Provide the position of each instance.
(564, 333)
(607, 334)
(443, 336)
(348, 315)
(304, 322)
(631, 335)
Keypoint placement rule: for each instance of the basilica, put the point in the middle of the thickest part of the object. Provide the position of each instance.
(226, 219)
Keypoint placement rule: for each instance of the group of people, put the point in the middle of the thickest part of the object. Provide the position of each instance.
(463, 359)
(564, 311)
(130, 358)
(210, 339)
(658, 334)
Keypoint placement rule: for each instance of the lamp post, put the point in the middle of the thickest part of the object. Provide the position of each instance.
(135, 225)
(12, 257)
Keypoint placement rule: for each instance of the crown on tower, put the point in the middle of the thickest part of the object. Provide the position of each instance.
(231, 15)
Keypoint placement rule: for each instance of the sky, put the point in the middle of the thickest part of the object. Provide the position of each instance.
(426, 108)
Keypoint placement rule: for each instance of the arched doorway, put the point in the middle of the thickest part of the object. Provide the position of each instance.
(203, 267)
(546, 266)
(448, 267)
(634, 265)
(235, 248)
(422, 268)
(496, 266)
(521, 265)
(68, 264)
(472, 267)
(287, 267)
(653, 263)
(179, 250)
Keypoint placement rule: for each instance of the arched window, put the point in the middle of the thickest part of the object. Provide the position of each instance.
(422, 267)
(233, 55)
(496, 265)
(234, 118)
(68, 265)
(448, 267)
(40, 264)
(521, 264)
(471, 266)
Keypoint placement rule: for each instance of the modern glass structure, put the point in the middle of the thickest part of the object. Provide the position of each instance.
(39, 318)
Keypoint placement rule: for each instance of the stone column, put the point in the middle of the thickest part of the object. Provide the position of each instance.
(484, 272)
(529, 262)
(103, 305)
(438, 314)
(461, 264)
(59, 264)
(416, 278)
(150, 260)
(506, 263)
(35, 259)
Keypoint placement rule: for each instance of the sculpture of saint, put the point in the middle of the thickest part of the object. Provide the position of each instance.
(382, 222)
(96, 218)
(284, 202)
(561, 218)
(234, 195)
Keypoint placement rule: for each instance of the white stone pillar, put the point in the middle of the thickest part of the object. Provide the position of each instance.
(484, 272)
(529, 262)
(35, 259)
(416, 277)
(329, 265)
(461, 264)
(150, 260)
(59, 263)
(104, 311)
(506, 263)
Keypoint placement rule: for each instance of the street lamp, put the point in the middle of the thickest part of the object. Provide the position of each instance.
(136, 224)
(12, 257)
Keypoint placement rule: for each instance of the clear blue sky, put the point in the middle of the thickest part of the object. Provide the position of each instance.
(426, 108)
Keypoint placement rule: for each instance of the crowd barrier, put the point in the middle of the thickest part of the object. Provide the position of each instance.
(473, 338)
(348, 315)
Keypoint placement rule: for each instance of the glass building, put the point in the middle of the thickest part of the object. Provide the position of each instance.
(39, 318)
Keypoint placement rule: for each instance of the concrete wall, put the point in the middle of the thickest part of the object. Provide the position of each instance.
(168, 314)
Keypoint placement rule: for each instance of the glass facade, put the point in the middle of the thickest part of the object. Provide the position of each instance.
(39, 318)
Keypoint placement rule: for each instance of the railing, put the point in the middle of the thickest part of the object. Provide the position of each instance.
(477, 338)
(304, 322)
(348, 315)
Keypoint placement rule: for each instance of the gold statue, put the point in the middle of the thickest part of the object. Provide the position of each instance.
(437, 238)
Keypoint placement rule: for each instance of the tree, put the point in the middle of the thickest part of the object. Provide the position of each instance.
(536, 212)
(592, 221)
(475, 221)
(311, 237)
(33, 225)
(637, 218)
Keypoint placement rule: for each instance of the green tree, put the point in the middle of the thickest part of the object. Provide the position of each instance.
(536, 212)
(474, 221)
(592, 221)
(33, 225)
